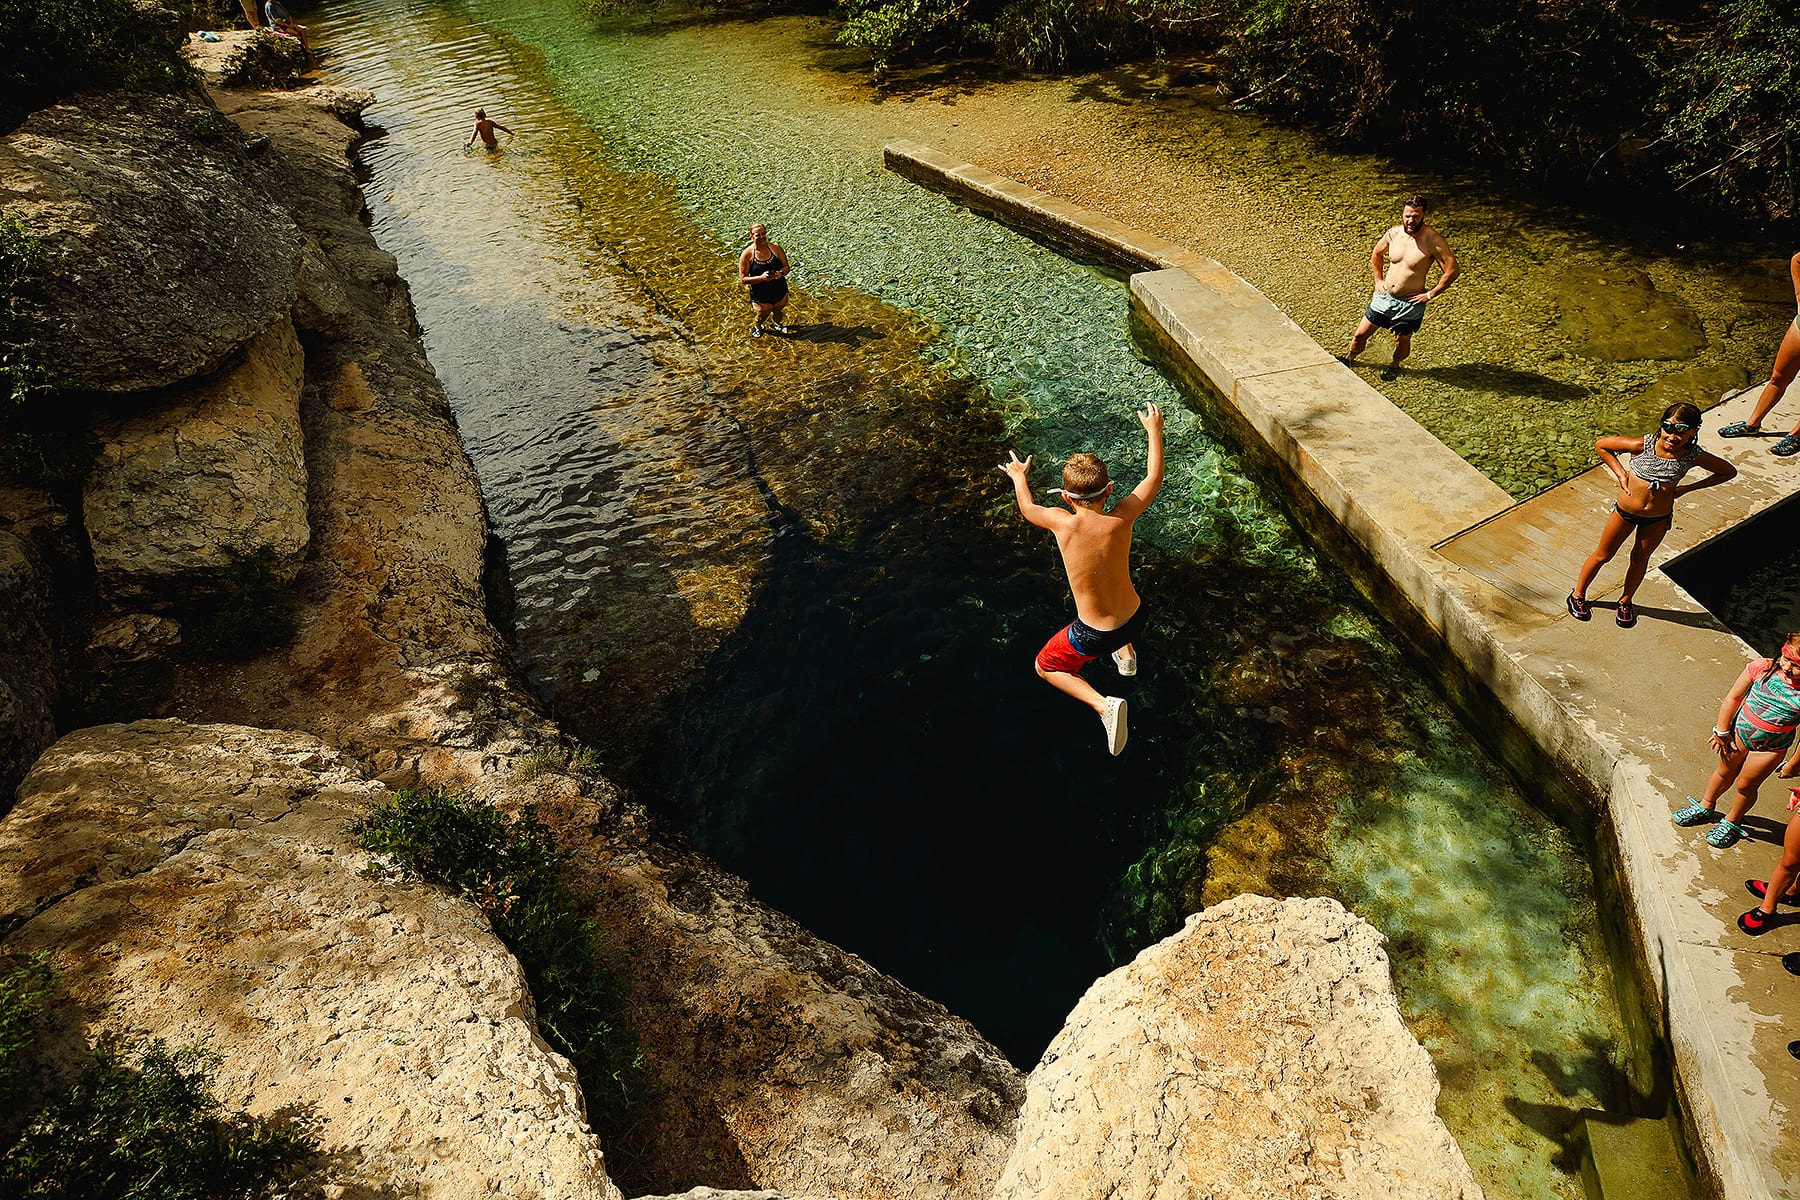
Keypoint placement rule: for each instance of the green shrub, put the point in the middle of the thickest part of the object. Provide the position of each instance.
(25, 985)
(22, 372)
(140, 1123)
(1732, 132)
(54, 47)
(1542, 87)
(514, 871)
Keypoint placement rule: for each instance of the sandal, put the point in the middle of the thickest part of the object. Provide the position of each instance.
(1760, 888)
(1725, 835)
(1789, 444)
(1695, 813)
(1740, 429)
(1625, 615)
(1756, 922)
(1578, 608)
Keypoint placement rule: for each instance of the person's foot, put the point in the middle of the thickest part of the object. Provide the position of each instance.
(1740, 429)
(1695, 813)
(1578, 608)
(1114, 721)
(1760, 888)
(756, 330)
(1756, 922)
(1725, 835)
(1390, 373)
(1625, 615)
(1788, 445)
(1125, 661)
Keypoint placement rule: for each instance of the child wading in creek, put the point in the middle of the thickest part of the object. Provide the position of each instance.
(1755, 732)
(1096, 554)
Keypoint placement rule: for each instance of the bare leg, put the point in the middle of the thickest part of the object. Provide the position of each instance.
(1648, 540)
(1787, 365)
(1757, 766)
(1787, 871)
(1359, 341)
(1402, 348)
(1612, 536)
(1071, 684)
(1722, 775)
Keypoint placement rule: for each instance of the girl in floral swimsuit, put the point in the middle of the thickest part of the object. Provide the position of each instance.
(1757, 722)
(1646, 502)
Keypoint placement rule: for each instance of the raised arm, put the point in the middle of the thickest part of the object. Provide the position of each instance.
(1031, 510)
(1141, 495)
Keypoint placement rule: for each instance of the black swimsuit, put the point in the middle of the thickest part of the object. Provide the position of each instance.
(766, 291)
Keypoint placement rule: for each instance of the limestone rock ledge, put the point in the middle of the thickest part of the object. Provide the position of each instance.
(197, 883)
(1257, 1054)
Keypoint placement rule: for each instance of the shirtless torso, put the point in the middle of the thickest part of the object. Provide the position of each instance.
(1409, 259)
(1096, 552)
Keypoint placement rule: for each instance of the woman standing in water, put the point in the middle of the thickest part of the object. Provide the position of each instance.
(1787, 365)
(1757, 722)
(1646, 501)
(764, 266)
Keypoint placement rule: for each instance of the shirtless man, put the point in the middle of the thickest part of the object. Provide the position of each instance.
(484, 129)
(1096, 552)
(1400, 263)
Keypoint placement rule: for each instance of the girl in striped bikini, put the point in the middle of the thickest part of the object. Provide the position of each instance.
(1755, 733)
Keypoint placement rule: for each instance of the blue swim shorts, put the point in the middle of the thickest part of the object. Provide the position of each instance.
(1391, 312)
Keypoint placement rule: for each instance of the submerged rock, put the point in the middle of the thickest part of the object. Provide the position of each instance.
(1616, 313)
(163, 257)
(1258, 1054)
(213, 477)
(198, 884)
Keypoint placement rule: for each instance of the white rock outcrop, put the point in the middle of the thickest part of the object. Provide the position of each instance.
(1258, 1054)
(198, 884)
(216, 474)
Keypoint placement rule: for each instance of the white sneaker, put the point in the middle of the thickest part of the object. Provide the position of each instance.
(1114, 721)
(1127, 663)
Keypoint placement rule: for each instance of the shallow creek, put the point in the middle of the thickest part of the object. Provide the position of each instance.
(779, 585)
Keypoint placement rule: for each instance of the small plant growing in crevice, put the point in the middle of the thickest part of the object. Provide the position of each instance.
(578, 760)
(512, 868)
(140, 1122)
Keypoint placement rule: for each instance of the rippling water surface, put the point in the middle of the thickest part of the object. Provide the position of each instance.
(780, 586)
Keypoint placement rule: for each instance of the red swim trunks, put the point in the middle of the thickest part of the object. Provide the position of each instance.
(1077, 644)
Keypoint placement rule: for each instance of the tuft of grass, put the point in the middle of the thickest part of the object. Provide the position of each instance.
(141, 1121)
(580, 761)
(514, 871)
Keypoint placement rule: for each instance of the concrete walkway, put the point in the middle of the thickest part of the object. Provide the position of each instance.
(1477, 583)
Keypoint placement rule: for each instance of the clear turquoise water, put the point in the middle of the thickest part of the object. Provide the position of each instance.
(781, 585)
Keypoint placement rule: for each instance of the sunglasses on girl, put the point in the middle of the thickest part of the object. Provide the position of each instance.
(1678, 427)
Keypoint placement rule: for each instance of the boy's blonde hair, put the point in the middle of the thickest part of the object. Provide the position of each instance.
(1084, 475)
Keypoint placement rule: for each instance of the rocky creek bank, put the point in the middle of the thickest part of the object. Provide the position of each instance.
(244, 362)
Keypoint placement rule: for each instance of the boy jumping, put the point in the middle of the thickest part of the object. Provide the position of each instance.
(1096, 552)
